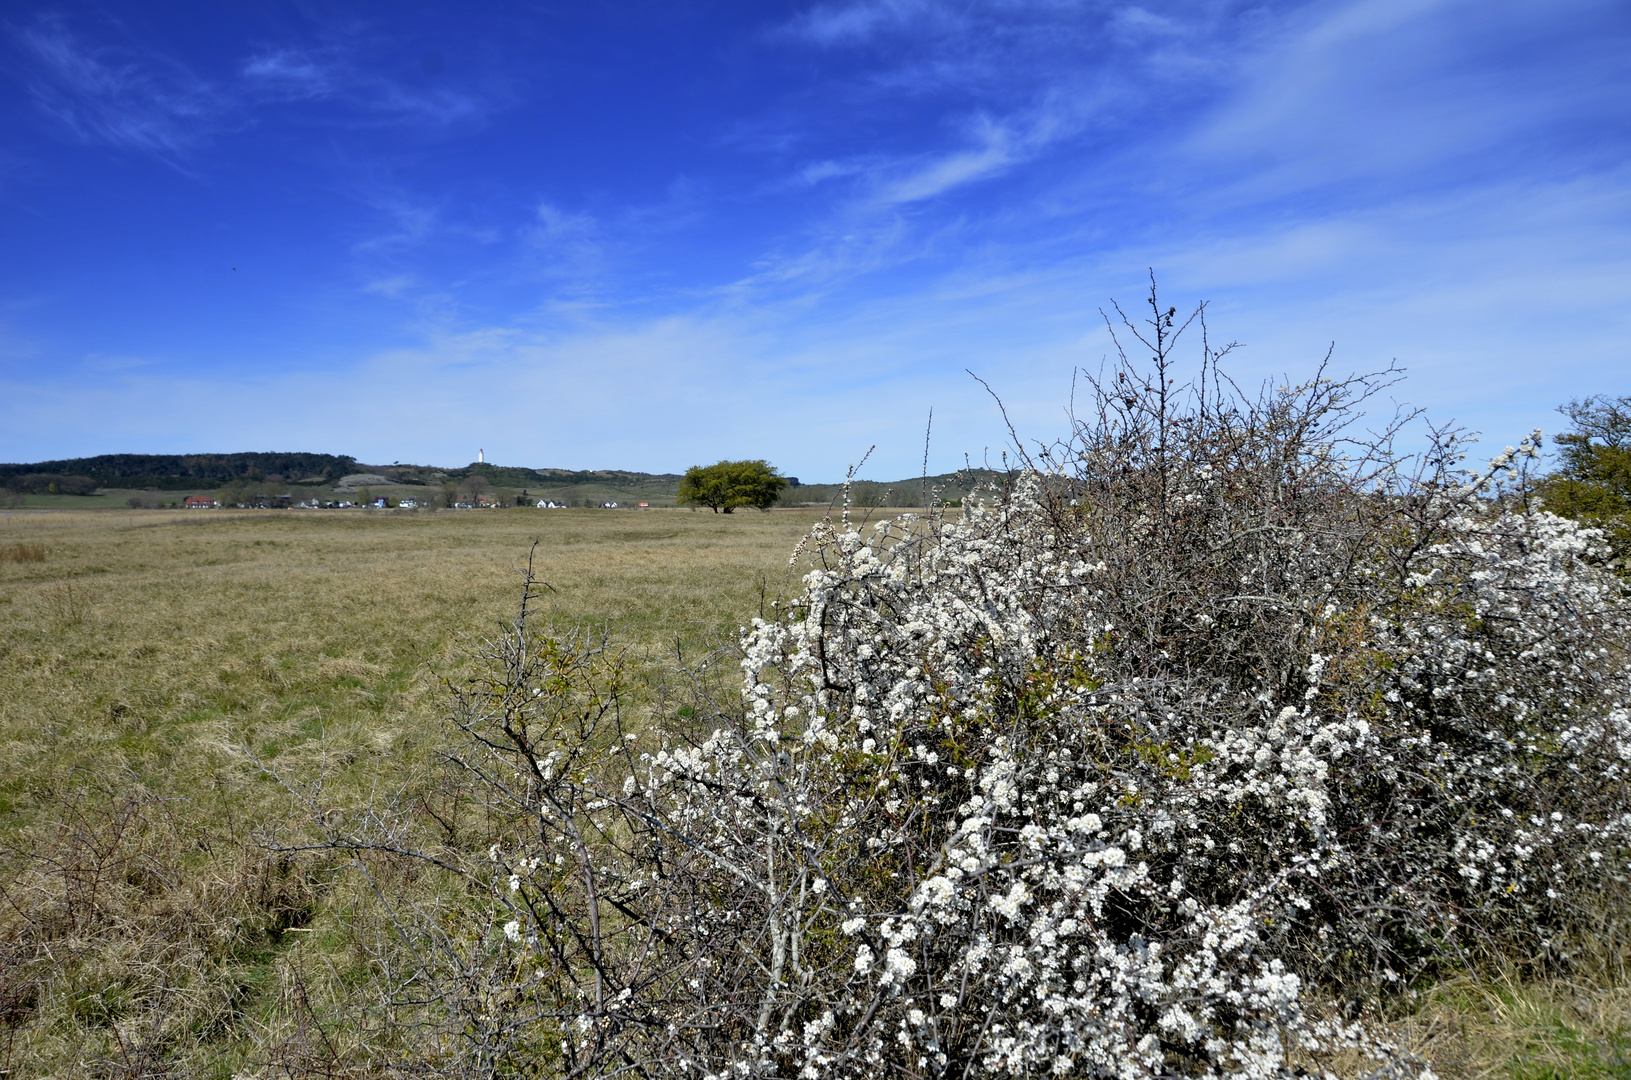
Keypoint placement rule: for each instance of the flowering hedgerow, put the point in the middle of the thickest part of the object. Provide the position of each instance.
(1068, 858)
(1213, 710)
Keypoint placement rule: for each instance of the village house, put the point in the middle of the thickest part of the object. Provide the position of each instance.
(199, 502)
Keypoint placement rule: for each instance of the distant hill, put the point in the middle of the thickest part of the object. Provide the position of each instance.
(597, 485)
(574, 487)
(516, 476)
(946, 487)
(181, 472)
(184, 472)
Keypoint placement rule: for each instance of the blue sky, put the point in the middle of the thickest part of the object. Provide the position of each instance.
(648, 235)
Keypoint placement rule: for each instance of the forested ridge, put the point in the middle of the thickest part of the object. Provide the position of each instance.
(175, 472)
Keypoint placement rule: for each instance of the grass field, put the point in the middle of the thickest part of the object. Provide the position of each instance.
(145, 644)
(149, 659)
(105, 499)
(145, 656)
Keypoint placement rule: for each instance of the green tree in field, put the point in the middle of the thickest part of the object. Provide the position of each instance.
(1593, 480)
(729, 484)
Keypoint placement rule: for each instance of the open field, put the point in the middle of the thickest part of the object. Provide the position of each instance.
(144, 638)
(150, 653)
(149, 659)
(103, 499)
(119, 498)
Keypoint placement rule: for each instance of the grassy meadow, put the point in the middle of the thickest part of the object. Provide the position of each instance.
(149, 658)
(104, 499)
(155, 664)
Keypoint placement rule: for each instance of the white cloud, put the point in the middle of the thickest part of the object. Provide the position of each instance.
(993, 152)
(410, 223)
(126, 98)
(657, 394)
(336, 71)
(444, 106)
(987, 235)
(1135, 25)
(1401, 92)
(289, 73)
(855, 23)
(554, 225)
(141, 99)
(391, 287)
(1502, 305)
(568, 242)
(820, 171)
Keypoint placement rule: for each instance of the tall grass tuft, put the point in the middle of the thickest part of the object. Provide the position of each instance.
(22, 553)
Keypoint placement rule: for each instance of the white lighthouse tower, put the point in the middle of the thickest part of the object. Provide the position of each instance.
(481, 456)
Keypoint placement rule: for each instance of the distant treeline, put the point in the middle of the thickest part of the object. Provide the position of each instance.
(247, 471)
(177, 472)
(604, 476)
(51, 484)
(519, 476)
(917, 491)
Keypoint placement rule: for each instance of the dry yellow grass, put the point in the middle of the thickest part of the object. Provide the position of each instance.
(148, 654)
(146, 643)
(1551, 1031)
(145, 656)
(1502, 1027)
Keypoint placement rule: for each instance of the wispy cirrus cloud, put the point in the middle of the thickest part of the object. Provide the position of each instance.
(819, 172)
(880, 183)
(122, 96)
(1008, 50)
(880, 221)
(993, 151)
(1205, 109)
(409, 222)
(563, 234)
(104, 88)
(1402, 94)
(570, 248)
(289, 74)
(864, 198)
(991, 146)
(1136, 25)
(343, 73)
(392, 287)
(858, 23)
(999, 96)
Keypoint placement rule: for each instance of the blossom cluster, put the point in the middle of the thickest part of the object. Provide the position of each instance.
(1106, 777)
(1077, 867)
